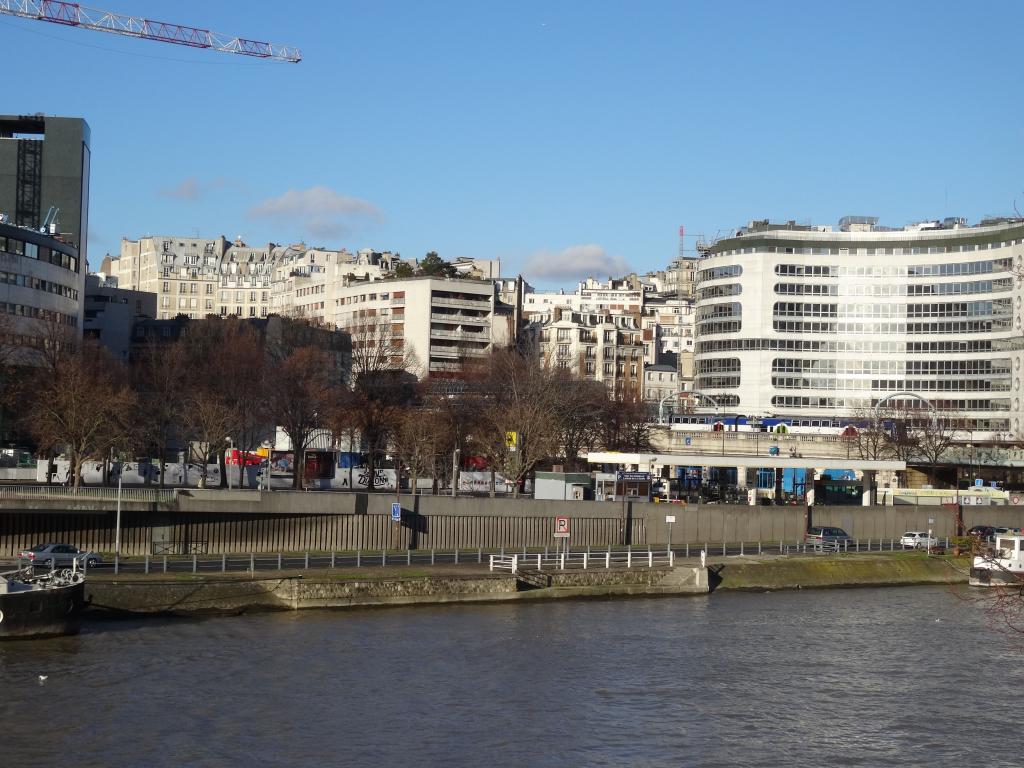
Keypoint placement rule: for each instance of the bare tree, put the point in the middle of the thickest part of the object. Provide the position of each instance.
(415, 441)
(872, 438)
(228, 365)
(159, 377)
(626, 423)
(934, 437)
(81, 404)
(580, 404)
(383, 383)
(300, 390)
(206, 420)
(517, 424)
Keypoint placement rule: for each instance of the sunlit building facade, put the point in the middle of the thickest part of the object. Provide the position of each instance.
(820, 325)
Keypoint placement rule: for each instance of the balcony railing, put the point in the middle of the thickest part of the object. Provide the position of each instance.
(483, 303)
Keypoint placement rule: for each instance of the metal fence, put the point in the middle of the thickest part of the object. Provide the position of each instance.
(91, 493)
(562, 561)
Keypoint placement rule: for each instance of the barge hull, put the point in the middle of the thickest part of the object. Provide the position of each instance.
(41, 613)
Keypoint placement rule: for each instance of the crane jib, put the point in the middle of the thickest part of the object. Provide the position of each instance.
(75, 15)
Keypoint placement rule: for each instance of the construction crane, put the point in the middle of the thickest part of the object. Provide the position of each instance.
(75, 15)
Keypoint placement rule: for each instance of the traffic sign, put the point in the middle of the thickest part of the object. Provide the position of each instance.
(670, 518)
(561, 527)
(634, 477)
(396, 512)
(1015, 500)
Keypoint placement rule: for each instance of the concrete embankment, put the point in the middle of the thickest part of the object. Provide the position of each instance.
(226, 594)
(770, 573)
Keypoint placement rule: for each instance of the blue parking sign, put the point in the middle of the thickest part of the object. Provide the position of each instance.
(396, 512)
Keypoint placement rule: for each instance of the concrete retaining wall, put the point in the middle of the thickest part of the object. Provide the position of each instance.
(214, 522)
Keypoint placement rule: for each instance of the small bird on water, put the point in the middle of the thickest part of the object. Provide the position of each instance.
(42, 678)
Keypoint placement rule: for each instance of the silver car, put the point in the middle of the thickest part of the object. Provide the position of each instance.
(918, 540)
(58, 555)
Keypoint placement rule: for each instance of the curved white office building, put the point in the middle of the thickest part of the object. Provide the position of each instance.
(42, 283)
(818, 325)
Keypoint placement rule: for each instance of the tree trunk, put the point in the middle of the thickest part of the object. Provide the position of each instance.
(299, 466)
(76, 466)
(222, 463)
(492, 491)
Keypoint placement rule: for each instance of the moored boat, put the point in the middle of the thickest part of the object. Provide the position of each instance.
(1002, 565)
(40, 605)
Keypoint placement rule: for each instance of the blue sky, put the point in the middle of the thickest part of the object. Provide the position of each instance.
(565, 138)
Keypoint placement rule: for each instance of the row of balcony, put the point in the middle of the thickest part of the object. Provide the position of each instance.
(458, 352)
(462, 335)
(459, 319)
(483, 303)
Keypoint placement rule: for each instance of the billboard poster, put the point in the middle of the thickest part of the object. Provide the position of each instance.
(282, 463)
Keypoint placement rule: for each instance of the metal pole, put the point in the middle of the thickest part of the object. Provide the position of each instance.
(455, 471)
(117, 533)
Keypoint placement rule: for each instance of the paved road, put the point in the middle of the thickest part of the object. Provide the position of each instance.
(209, 564)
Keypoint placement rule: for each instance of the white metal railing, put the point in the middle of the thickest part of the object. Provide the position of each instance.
(159, 495)
(562, 561)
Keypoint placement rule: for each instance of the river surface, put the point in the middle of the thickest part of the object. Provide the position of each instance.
(868, 677)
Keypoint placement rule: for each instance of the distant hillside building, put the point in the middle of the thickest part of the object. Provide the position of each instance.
(436, 325)
(601, 346)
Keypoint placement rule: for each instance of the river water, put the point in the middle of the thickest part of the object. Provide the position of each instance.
(872, 677)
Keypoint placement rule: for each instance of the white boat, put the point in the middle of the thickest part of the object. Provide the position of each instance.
(1002, 565)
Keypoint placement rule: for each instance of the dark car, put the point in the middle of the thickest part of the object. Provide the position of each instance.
(818, 535)
(57, 555)
(983, 532)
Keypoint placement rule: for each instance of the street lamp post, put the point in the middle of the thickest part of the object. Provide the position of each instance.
(231, 447)
(117, 523)
(755, 424)
(455, 471)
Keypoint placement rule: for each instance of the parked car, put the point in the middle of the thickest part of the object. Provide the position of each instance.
(57, 555)
(983, 532)
(918, 540)
(818, 535)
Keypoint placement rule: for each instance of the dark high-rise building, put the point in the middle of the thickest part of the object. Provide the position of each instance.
(44, 163)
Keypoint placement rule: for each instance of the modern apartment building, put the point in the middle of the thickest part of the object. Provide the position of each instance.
(821, 324)
(434, 325)
(44, 165)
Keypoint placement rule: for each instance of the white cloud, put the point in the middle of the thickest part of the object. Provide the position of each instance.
(576, 263)
(320, 211)
(186, 190)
